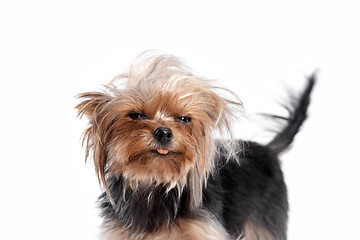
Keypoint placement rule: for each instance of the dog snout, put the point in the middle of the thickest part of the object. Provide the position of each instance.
(163, 135)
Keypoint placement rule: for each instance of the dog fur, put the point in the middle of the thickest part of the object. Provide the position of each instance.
(152, 135)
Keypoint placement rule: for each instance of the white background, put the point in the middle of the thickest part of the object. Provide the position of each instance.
(52, 50)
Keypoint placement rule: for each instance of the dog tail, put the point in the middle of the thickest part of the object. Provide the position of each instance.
(297, 114)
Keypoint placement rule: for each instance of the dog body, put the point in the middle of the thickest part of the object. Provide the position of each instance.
(166, 176)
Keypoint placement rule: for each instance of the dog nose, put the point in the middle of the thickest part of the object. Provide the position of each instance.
(163, 135)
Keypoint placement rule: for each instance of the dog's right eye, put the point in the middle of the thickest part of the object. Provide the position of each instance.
(137, 116)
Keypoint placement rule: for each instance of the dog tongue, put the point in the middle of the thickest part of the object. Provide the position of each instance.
(162, 150)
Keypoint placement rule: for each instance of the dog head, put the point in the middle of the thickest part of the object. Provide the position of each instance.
(155, 126)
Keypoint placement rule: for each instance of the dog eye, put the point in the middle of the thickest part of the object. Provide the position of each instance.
(184, 119)
(137, 116)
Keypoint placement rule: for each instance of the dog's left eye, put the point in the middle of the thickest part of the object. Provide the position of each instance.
(137, 116)
(184, 119)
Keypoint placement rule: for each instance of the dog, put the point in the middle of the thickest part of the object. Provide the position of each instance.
(152, 135)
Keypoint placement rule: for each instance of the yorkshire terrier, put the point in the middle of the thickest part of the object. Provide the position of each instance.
(152, 136)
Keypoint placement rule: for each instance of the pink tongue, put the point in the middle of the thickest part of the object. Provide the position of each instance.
(162, 150)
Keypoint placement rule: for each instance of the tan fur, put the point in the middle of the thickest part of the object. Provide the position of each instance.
(255, 232)
(201, 229)
(163, 88)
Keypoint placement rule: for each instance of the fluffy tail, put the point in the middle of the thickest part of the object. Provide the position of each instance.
(297, 114)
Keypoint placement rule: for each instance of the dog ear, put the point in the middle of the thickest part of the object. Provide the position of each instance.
(216, 110)
(92, 104)
(92, 107)
(220, 107)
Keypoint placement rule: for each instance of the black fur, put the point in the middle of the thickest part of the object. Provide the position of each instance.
(297, 115)
(143, 210)
(253, 190)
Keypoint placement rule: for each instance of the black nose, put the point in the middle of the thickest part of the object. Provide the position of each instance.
(163, 135)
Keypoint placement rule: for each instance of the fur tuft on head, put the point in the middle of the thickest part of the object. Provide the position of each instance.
(158, 91)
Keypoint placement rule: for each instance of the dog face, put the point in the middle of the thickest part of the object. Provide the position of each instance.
(157, 128)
